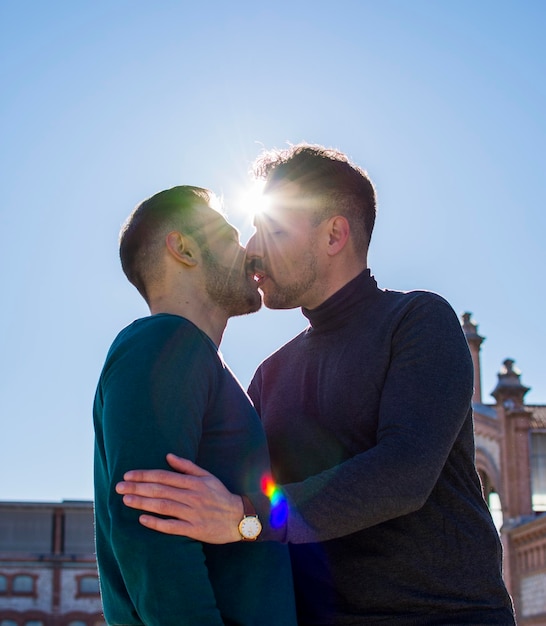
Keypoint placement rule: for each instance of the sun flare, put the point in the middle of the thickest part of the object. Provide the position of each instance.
(252, 201)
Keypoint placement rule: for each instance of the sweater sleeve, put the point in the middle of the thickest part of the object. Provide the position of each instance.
(425, 401)
(155, 391)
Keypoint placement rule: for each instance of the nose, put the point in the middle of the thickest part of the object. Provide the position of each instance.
(254, 247)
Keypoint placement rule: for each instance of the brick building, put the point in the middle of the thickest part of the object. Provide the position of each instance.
(511, 460)
(48, 574)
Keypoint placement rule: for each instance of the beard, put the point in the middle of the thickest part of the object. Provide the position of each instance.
(233, 291)
(288, 296)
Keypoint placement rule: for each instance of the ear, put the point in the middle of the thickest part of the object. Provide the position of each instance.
(338, 234)
(181, 248)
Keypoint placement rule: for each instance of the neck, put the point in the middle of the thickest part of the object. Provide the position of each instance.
(340, 274)
(204, 315)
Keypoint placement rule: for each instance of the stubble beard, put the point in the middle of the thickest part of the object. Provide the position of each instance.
(289, 296)
(232, 291)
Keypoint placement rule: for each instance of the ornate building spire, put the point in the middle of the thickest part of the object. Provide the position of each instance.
(509, 390)
(470, 329)
(516, 423)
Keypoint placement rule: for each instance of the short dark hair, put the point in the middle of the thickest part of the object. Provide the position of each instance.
(335, 184)
(142, 237)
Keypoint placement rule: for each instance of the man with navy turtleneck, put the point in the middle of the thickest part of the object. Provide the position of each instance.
(369, 423)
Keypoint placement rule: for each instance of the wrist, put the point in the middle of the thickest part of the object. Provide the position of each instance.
(249, 526)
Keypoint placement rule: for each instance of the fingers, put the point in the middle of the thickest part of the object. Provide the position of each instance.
(196, 503)
(153, 490)
(167, 526)
(160, 506)
(185, 466)
(162, 477)
(185, 529)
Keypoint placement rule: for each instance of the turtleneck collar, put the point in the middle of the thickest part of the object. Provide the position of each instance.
(339, 307)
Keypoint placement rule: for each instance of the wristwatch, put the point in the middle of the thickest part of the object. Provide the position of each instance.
(250, 526)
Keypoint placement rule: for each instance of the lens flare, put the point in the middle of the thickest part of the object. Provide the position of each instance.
(279, 505)
(252, 200)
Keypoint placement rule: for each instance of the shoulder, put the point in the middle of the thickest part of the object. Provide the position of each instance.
(427, 306)
(162, 336)
(161, 327)
(426, 319)
(163, 352)
(416, 297)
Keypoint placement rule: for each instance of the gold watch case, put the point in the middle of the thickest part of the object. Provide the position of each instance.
(250, 527)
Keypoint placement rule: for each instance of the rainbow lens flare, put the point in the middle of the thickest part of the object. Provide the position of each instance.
(279, 505)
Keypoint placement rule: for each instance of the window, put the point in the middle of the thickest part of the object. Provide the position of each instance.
(496, 509)
(34, 622)
(23, 584)
(492, 498)
(77, 622)
(538, 470)
(8, 622)
(88, 586)
(3, 586)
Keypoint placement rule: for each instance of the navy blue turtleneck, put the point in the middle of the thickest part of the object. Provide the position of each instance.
(369, 423)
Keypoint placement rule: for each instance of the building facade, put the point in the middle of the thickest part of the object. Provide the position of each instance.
(511, 459)
(48, 573)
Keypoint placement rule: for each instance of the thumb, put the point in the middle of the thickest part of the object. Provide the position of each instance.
(185, 466)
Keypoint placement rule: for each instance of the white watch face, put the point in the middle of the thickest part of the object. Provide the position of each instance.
(250, 527)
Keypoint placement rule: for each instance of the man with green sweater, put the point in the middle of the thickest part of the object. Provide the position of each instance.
(164, 387)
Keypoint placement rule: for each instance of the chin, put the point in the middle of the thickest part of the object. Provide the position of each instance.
(278, 303)
(252, 305)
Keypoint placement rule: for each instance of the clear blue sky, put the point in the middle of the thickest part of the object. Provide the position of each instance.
(107, 102)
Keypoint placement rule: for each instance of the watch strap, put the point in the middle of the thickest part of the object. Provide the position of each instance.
(250, 522)
(248, 507)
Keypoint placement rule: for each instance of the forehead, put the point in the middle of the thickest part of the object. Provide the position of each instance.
(213, 223)
(284, 194)
(288, 202)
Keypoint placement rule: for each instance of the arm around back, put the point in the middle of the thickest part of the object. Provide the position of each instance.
(418, 411)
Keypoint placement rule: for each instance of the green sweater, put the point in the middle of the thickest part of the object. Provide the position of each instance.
(164, 388)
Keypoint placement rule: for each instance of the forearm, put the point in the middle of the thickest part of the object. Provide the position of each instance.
(354, 495)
